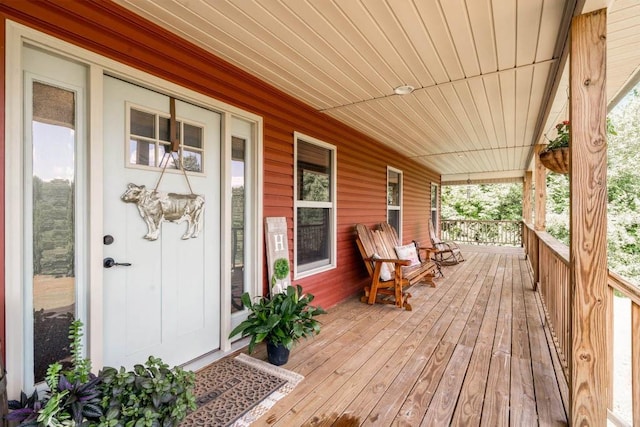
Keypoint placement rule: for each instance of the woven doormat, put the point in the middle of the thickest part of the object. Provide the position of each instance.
(237, 391)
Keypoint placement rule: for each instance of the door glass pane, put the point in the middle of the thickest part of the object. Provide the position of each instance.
(143, 124)
(238, 160)
(54, 286)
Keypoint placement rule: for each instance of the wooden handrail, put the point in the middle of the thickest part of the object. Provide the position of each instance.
(549, 261)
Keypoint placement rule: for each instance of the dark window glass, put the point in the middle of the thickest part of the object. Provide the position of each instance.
(313, 235)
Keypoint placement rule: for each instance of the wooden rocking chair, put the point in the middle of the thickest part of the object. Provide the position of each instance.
(376, 257)
(445, 253)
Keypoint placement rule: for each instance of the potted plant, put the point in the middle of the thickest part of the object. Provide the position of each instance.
(280, 320)
(555, 156)
(150, 395)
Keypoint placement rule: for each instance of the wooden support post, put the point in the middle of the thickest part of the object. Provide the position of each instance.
(541, 192)
(588, 223)
(526, 197)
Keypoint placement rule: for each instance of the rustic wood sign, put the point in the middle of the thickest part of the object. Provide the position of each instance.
(277, 253)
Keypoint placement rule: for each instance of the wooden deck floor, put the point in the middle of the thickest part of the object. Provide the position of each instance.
(474, 351)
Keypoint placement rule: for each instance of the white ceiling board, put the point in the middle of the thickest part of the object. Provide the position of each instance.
(455, 14)
(481, 68)
(528, 26)
(409, 19)
(482, 26)
(431, 14)
(504, 16)
(549, 28)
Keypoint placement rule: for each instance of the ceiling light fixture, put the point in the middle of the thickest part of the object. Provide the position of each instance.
(403, 90)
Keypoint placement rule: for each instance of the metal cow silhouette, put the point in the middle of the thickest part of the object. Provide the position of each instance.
(156, 207)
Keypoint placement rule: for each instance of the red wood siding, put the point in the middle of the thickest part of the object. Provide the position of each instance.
(109, 30)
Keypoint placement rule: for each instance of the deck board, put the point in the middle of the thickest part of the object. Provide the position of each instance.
(474, 351)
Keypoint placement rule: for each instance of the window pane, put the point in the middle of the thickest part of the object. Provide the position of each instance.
(143, 124)
(163, 132)
(314, 172)
(192, 136)
(53, 225)
(141, 152)
(434, 196)
(313, 231)
(192, 161)
(238, 222)
(393, 189)
(393, 218)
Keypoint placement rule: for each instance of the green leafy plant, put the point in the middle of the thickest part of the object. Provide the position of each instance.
(280, 270)
(564, 129)
(562, 138)
(284, 318)
(73, 398)
(149, 395)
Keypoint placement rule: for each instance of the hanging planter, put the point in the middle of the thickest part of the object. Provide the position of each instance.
(556, 159)
(555, 156)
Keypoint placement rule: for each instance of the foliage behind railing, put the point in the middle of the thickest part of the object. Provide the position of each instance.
(482, 232)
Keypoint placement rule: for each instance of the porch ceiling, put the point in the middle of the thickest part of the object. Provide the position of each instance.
(483, 70)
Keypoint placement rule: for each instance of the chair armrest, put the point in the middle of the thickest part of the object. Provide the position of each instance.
(392, 260)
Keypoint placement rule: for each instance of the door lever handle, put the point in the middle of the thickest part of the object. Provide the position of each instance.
(110, 262)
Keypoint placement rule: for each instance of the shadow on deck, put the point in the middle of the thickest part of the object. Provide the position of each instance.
(474, 351)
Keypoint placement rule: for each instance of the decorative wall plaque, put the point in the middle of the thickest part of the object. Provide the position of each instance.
(156, 207)
(277, 253)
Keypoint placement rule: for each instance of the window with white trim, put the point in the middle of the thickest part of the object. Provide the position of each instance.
(315, 206)
(394, 199)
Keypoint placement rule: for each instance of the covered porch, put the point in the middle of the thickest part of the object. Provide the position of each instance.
(475, 350)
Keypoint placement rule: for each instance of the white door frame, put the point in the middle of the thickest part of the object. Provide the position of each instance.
(16, 36)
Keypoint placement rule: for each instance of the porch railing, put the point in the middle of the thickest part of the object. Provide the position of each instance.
(482, 232)
(549, 262)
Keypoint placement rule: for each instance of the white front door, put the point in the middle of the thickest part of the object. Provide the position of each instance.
(167, 302)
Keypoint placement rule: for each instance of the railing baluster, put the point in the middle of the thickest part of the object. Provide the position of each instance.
(482, 232)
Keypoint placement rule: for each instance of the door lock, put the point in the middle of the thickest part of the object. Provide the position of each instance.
(110, 262)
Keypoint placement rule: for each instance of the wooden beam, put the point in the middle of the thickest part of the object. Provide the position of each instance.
(526, 197)
(541, 192)
(588, 222)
